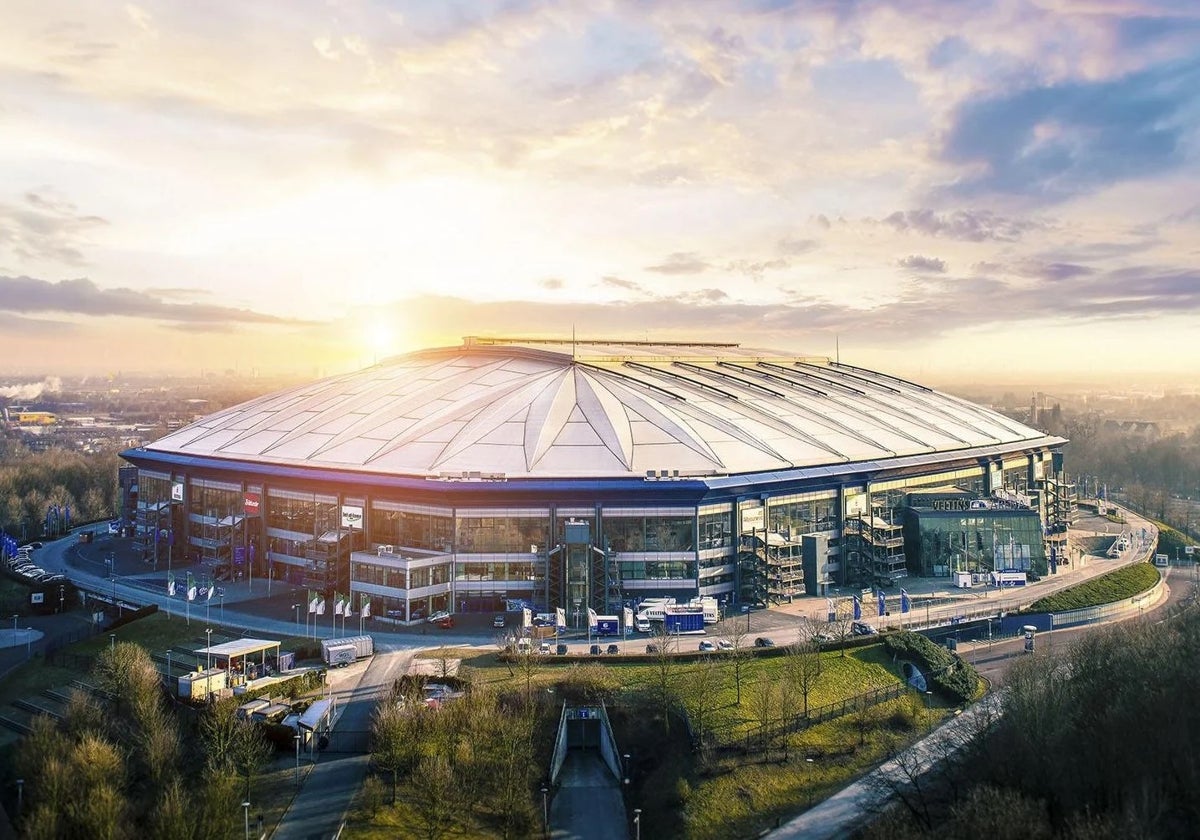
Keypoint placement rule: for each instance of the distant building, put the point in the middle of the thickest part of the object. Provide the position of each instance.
(581, 474)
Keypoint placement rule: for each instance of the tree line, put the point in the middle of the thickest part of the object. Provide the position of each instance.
(1095, 742)
(122, 764)
(30, 482)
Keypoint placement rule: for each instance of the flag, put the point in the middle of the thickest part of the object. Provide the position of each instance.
(857, 609)
(830, 609)
(628, 617)
(526, 618)
(366, 605)
(312, 601)
(882, 603)
(212, 587)
(171, 584)
(905, 603)
(560, 617)
(348, 606)
(191, 587)
(591, 617)
(337, 603)
(321, 607)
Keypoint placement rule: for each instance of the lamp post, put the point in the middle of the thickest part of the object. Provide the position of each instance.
(296, 738)
(112, 641)
(746, 610)
(296, 607)
(637, 824)
(168, 670)
(545, 810)
(246, 811)
(28, 642)
(20, 795)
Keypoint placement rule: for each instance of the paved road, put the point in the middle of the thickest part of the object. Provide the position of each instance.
(588, 804)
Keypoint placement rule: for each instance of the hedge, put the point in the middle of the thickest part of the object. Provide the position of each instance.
(944, 672)
(1106, 589)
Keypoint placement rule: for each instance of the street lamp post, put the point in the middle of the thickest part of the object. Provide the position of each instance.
(28, 642)
(246, 811)
(112, 641)
(296, 738)
(221, 595)
(637, 824)
(296, 607)
(746, 610)
(545, 811)
(208, 645)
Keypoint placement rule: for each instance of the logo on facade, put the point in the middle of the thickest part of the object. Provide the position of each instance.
(352, 517)
(251, 503)
(177, 491)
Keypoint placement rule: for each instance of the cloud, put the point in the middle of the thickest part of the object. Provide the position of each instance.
(681, 262)
(793, 246)
(83, 297)
(916, 262)
(621, 283)
(966, 225)
(46, 227)
(1059, 140)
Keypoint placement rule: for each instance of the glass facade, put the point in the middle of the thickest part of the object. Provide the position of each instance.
(792, 515)
(976, 541)
(501, 532)
(412, 526)
(640, 532)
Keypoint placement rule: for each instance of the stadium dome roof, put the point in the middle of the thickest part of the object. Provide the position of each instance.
(524, 408)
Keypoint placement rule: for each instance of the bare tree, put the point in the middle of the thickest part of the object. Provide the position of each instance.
(699, 690)
(664, 672)
(737, 654)
(801, 670)
(763, 702)
(435, 801)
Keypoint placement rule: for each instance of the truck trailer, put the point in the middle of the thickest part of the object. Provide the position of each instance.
(340, 652)
(683, 620)
(608, 625)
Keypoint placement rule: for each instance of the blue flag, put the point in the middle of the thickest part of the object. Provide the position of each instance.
(882, 603)
(857, 609)
(905, 603)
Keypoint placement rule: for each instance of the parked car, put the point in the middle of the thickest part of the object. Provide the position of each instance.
(499, 620)
(724, 644)
(613, 649)
(594, 650)
(862, 628)
(707, 645)
(652, 648)
(561, 650)
(823, 638)
(763, 642)
(438, 616)
(544, 647)
(445, 622)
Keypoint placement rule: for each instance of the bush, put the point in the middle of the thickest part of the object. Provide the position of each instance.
(1106, 589)
(945, 672)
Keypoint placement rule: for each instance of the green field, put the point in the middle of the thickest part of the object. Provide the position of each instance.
(1106, 589)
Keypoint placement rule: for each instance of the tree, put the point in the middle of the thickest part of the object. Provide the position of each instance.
(801, 669)
(699, 691)
(763, 698)
(435, 801)
(736, 655)
(663, 673)
(393, 750)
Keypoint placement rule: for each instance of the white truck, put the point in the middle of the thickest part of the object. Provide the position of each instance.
(341, 652)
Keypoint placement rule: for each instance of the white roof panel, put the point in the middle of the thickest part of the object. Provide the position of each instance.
(532, 408)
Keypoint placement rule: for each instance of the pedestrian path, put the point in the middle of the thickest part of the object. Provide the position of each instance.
(588, 803)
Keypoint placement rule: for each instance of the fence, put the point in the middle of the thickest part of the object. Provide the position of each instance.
(766, 733)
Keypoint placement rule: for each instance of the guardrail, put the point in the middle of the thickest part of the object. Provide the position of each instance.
(1090, 615)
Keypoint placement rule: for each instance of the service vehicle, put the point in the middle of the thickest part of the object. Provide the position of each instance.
(338, 653)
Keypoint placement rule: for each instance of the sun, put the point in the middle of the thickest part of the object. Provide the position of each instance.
(380, 339)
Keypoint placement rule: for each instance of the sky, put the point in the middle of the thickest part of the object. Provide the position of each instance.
(954, 191)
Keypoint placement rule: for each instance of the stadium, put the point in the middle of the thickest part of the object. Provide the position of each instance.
(597, 473)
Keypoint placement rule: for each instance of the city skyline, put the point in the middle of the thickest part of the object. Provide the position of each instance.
(930, 190)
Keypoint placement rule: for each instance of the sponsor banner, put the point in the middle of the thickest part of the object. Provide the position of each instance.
(239, 555)
(753, 519)
(252, 503)
(177, 491)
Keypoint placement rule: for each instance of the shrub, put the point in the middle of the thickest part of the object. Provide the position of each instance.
(945, 672)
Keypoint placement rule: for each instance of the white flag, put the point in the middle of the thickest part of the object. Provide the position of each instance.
(591, 617)
(321, 607)
(366, 606)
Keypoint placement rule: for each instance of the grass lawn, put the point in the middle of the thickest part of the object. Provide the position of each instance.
(1105, 589)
